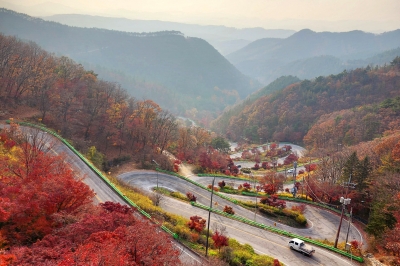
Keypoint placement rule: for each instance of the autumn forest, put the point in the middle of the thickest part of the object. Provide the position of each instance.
(348, 122)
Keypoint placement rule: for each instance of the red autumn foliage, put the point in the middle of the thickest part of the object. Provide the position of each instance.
(256, 166)
(299, 208)
(197, 223)
(246, 186)
(273, 201)
(39, 186)
(269, 189)
(220, 240)
(176, 165)
(290, 159)
(110, 235)
(190, 196)
(265, 165)
(47, 219)
(229, 210)
(310, 167)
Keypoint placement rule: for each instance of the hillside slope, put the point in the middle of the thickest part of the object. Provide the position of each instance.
(187, 72)
(288, 114)
(222, 122)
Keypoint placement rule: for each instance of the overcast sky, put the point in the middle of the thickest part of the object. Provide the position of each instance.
(318, 15)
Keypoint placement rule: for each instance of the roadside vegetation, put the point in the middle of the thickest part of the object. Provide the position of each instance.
(47, 216)
(192, 232)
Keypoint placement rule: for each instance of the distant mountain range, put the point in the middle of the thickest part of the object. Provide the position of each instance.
(180, 73)
(308, 54)
(224, 39)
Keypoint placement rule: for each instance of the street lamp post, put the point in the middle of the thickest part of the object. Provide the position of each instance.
(209, 216)
(157, 172)
(348, 228)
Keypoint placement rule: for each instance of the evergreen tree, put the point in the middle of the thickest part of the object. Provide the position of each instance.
(220, 144)
(363, 168)
(350, 168)
(381, 219)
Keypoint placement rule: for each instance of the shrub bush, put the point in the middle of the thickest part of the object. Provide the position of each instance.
(191, 197)
(179, 195)
(301, 219)
(229, 210)
(299, 208)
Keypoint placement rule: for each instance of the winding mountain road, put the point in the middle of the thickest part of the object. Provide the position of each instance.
(324, 224)
(262, 241)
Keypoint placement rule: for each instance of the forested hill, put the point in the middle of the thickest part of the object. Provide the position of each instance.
(178, 72)
(222, 122)
(288, 114)
(308, 54)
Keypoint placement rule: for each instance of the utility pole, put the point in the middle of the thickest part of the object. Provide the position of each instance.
(344, 201)
(209, 215)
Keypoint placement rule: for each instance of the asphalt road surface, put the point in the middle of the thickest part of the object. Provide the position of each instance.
(323, 223)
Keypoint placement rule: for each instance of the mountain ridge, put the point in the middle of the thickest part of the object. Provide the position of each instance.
(261, 58)
(224, 39)
(185, 65)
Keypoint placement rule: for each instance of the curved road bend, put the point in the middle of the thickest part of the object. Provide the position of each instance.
(263, 241)
(323, 223)
(103, 191)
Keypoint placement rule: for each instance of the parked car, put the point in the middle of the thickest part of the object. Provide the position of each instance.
(300, 246)
(290, 171)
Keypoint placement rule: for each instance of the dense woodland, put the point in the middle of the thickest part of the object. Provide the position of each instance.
(289, 114)
(179, 73)
(94, 113)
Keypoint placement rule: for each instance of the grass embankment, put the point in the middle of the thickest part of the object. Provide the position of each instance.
(234, 254)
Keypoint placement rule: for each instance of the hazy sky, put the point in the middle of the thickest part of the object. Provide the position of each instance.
(318, 15)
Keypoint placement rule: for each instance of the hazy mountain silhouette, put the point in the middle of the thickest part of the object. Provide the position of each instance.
(224, 39)
(188, 70)
(309, 54)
